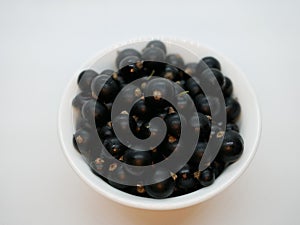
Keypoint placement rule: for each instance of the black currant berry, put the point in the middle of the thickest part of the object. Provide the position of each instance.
(140, 109)
(202, 105)
(157, 44)
(117, 173)
(153, 54)
(173, 124)
(209, 75)
(168, 146)
(183, 102)
(122, 123)
(114, 147)
(185, 178)
(171, 73)
(232, 126)
(160, 189)
(158, 90)
(83, 139)
(175, 60)
(233, 109)
(130, 94)
(227, 87)
(207, 177)
(80, 99)
(106, 132)
(137, 158)
(197, 155)
(200, 123)
(192, 86)
(212, 62)
(104, 88)
(85, 79)
(125, 53)
(94, 111)
(190, 69)
(157, 156)
(231, 148)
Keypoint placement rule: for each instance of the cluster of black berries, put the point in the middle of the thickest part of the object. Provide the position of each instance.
(94, 123)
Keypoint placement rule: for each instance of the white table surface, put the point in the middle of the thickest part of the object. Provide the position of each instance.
(42, 43)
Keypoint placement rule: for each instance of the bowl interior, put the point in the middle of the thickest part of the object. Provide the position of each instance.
(249, 123)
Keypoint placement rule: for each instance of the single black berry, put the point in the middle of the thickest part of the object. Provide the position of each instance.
(232, 126)
(104, 88)
(114, 147)
(160, 189)
(231, 148)
(207, 177)
(85, 79)
(173, 123)
(153, 54)
(185, 178)
(175, 60)
(157, 44)
(94, 111)
(233, 109)
(200, 123)
(80, 99)
(227, 87)
(212, 62)
(125, 53)
(137, 158)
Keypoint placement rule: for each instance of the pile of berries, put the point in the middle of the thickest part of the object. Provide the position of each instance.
(94, 123)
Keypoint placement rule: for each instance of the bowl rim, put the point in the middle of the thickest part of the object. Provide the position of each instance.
(148, 203)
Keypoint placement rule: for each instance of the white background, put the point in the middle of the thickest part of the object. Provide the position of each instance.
(42, 43)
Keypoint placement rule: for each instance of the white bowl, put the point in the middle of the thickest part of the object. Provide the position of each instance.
(249, 122)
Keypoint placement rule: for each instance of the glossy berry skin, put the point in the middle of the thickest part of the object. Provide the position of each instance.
(202, 125)
(233, 109)
(125, 53)
(175, 60)
(171, 73)
(197, 155)
(85, 79)
(140, 109)
(123, 122)
(158, 90)
(185, 178)
(231, 148)
(209, 73)
(183, 102)
(212, 62)
(157, 44)
(130, 69)
(131, 93)
(227, 87)
(232, 126)
(190, 69)
(80, 99)
(117, 173)
(202, 105)
(137, 158)
(207, 177)
(153, 54)
(114, 147)
(104, 88)
(160, 189)
(168, 146)
(173, 124)
(83, 139)
(106, 132)
(192, 86)
(94, 111)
